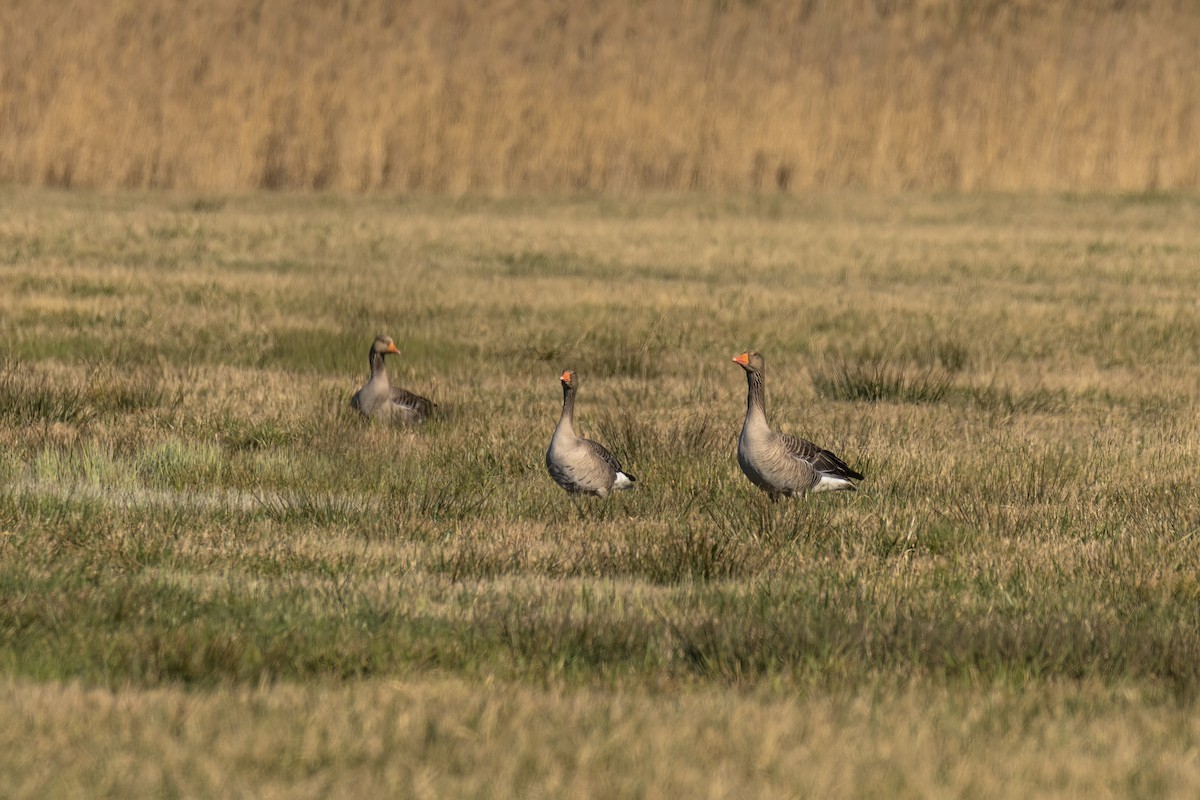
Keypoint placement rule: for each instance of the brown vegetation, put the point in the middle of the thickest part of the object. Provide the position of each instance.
(552, 95)
(216, 580)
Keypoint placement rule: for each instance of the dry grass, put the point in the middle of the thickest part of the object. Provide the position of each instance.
(447, 738)
(210, 570)
(542, 95)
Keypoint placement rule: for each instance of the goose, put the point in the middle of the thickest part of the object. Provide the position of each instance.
(378, 398)
(779, 463)
(580, 465)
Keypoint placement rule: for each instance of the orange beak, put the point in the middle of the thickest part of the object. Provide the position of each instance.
(566, 376)
(392, 349)
(743, 359)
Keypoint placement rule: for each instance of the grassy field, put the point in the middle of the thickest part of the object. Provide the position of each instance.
(214, 581)
(530, 96)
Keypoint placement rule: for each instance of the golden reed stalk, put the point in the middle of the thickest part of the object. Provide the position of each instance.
(553, 95)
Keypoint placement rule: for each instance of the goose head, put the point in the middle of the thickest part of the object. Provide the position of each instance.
(383, 345)
(751, 361)
(568, 379)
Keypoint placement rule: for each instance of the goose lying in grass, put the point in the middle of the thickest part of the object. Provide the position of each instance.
(779, 463)
(379, 399)
(580, 465)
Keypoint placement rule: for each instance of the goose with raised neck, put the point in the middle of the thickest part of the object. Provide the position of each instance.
(379, 399)
(780, 464)
(579, 465)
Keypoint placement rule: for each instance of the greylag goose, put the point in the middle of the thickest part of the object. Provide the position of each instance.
(580, 465)
(378, 398)
(779, 463)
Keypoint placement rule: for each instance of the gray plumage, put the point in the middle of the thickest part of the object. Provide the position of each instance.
(580, 465)
(778, 463)
(379, 399)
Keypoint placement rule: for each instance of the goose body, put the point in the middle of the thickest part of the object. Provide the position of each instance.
(778, 463)
(580, 465)
(380, 400)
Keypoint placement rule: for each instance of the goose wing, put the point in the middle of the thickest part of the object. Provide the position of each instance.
(598, 450)
(818, 458)
(411, 402)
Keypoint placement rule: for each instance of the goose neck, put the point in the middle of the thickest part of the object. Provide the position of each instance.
(756, 395)
(567, 422)
(378, 367)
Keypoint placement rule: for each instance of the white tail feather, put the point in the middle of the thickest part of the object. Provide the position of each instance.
(829, 483)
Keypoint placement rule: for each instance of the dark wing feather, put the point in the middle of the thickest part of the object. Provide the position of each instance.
(599, 450)
(821, 460)
(419, 405)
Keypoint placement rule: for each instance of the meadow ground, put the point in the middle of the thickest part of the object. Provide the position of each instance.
(214, 581)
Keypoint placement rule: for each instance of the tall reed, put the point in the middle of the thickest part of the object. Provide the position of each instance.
(556, 96)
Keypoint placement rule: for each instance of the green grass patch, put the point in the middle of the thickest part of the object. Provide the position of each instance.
(190, 509)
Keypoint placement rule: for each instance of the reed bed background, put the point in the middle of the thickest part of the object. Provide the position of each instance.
(553, 95)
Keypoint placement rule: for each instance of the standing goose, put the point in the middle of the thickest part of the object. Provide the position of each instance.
(580, 465)
(778, 463)
(378, 398)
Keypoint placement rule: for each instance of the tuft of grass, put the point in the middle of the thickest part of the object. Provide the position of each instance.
(318, 510)
(113, 390)
(1003, 402)
(692, 553)
(568, 635)
(178, 464)
(875, 380)
(27, 399)
(92, 463)
(238, 435)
